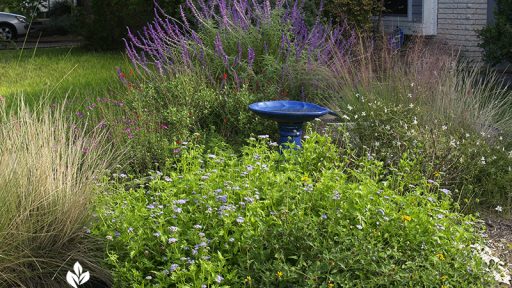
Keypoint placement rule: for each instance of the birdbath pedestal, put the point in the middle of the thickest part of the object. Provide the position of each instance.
(290, 117)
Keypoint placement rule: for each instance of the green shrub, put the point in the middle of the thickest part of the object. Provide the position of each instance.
(357, 14)
(318, 217)
(48, 169)
(25, 7)
(495, 40)
(64, 19)
(107, 21)
(157, 114)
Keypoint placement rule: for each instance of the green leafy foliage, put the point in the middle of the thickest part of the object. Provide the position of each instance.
(474, 168)
(25, 7)
(496, 40)
(318, 217)
(106, 23)
(159, 113)
(357, 13)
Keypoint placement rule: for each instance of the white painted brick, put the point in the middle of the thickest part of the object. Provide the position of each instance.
(470, 11)
(451, 5)
(465, 16)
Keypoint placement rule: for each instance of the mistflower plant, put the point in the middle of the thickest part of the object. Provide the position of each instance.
(258, 227)
(236, 42)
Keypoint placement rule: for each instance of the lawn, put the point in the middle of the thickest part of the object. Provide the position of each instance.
(56, 73)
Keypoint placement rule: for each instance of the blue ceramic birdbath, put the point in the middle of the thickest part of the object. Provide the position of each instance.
(290, 117)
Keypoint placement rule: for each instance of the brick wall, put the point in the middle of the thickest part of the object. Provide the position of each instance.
(457, 21)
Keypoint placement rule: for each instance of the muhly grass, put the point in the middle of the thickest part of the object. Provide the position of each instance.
(447, 88)
(48, 170)
(58, 73)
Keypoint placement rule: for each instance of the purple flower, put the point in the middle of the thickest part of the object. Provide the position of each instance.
(445, 191)
(222, 198)
(219, 278)
(324, 216)
(181, 201)
(240, 219)
(150, 206)
(130, 230)
(156, 234)
(250, 57)
(173, 228)
(174, 267)
(117, 234)
(172, 240)
(220, 50)
(178, 209)
(201, 234)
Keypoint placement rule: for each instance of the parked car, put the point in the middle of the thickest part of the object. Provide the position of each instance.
(12, 26)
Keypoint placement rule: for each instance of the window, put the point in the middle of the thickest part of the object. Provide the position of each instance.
(396, 8)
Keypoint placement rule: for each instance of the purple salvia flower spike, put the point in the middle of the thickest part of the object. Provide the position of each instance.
(250, 57)
(266, 9)
(220, 50)
(184, 18)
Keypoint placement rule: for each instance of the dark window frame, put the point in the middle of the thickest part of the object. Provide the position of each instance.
(401, 5)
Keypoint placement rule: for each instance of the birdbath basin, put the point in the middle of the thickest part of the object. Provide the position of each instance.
(290, 117)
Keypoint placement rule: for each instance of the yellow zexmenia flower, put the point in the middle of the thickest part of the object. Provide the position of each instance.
(406, 218)
(440, 256)
(305, 178)
(279, 274)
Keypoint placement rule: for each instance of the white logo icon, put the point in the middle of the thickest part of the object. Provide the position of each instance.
(78, 278)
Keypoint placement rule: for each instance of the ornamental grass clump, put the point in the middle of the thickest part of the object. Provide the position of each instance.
(426, 102)
(48, 170)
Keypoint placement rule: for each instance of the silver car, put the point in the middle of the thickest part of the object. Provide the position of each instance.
(12, 26)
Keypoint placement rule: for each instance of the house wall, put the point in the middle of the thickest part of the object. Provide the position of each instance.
(458, 22)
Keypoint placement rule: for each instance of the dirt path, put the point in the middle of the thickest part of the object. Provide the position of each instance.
(499, 231)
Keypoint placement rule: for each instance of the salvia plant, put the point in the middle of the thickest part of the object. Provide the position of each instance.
(236, 42)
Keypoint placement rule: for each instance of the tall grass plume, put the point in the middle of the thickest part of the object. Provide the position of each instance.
(48, 171)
